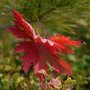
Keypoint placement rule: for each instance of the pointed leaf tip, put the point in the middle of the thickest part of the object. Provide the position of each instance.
(16, 14)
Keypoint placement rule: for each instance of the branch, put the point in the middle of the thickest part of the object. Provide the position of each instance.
(49, 11)
(39, 7)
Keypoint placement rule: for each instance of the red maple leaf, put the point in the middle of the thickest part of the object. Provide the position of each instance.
(39, 51)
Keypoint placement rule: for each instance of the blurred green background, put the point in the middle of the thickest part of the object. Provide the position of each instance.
(48, 17)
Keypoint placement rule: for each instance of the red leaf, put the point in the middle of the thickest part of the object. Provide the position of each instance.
(64, 40)
(22, 27)
(38, 51)
(18, 32)
(64, 43)
(23, 46)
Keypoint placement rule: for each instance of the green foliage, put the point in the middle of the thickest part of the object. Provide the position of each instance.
(68, 17)
(42, 11)
(68, 84)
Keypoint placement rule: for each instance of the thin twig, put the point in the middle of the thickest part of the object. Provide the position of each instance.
(50, 10)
